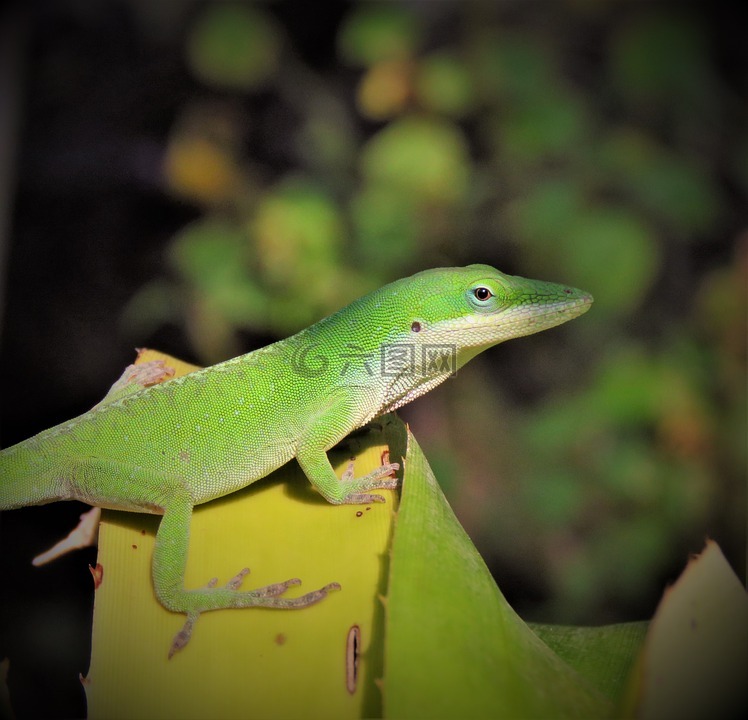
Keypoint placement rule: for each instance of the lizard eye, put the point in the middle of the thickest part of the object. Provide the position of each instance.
(482, 293)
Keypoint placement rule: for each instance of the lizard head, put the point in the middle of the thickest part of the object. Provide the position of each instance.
(473, 308)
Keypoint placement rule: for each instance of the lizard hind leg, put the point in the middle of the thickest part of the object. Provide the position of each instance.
(269, 591)
(170, 561)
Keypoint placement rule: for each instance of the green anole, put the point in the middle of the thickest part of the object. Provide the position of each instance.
(164, 448)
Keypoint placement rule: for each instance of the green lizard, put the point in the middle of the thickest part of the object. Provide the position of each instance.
(168, 447)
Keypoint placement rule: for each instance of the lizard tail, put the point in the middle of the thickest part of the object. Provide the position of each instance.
(26, 479)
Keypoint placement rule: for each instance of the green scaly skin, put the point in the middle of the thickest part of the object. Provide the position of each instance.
(168, 447)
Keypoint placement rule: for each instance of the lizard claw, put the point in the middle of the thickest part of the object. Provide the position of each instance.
(276, 588)
(238, 579)
(183, 636)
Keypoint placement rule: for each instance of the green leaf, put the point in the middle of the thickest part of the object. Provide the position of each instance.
(444, 84)
(611, 243)
(515, 68)
(377, 32)
(298, 232)
(234, 46)
(695, 658)
(212, 256)
(298, 229)
(453, 646)
(425, 157)
(554, 123)
(604, 655)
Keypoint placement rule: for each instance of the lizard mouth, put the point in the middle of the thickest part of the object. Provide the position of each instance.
(518, 320)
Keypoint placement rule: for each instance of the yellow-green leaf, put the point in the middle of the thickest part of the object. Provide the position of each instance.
(454, 647)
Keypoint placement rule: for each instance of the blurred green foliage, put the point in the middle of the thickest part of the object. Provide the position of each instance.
(590, 146)
(234, 47)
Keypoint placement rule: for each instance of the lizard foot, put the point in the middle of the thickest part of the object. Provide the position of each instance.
(383, 478)
(267, 596)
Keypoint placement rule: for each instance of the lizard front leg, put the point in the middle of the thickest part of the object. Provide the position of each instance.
(332, 421)
(354, 491)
